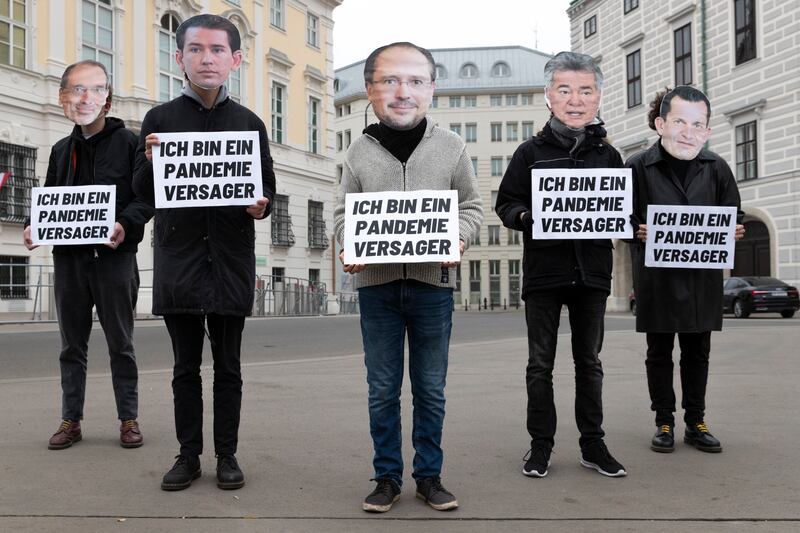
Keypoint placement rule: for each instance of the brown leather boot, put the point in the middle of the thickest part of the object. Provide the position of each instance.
(69, 432)
(129, 434)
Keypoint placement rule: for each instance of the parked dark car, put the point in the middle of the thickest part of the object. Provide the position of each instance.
(752, 294)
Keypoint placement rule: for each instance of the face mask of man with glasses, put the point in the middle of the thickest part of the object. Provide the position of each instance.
(85, 98)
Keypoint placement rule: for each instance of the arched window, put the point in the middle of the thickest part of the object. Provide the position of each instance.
(236, 77)
(441, 72)
(501, 70)
(170, 77)
(97, 33)
(468, 70)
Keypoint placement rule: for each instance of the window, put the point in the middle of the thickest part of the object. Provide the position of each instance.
(497, 166)
(469, 70)
(347, 109)
(511, 99)
(455, 101)
(339, 172)
(629, 5)
(475, 240)
(13, 277)
(235, 84)
(97, 33)
(683, 55)
(471, 132)
(590, 26)
(170, 77)
(527, 130)
(347, 138)
(278, 273)
(513, 282)
(278, 97)
(501, 70)
(494, 235)
(634, 77)
(513, 236)
(527, 99)
(471, 101)
(435, 102)
(497, 131)
(313, 276)
(282, 234)
(475, 282)
(12, 33)
(496, 100)
(441, 72)
(745, 21)
(15, 195)
(474, 165)
(338, 111)
(512, 131)
(339, 141)
(494, 281)
(312, 30)
(493, 199)
(456, 128)
(746, 152)
(276, 13)
(316, 226)
(313, 125)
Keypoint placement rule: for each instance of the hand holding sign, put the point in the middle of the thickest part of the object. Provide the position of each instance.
(72, 215)
(690, 236)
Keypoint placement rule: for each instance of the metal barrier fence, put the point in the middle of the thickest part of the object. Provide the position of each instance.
(31, 286)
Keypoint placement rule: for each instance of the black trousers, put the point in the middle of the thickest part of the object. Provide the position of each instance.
(110, 283)
(225, 334)
(695, 348)
(542, 313)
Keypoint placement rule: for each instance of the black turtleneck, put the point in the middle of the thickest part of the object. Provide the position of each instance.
(679, 167)
(400, 143)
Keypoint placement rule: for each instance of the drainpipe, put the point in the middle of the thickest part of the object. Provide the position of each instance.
(703, 64)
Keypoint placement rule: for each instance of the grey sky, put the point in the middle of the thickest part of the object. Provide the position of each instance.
(363, 25)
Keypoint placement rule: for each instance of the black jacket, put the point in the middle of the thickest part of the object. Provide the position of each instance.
(113, 151)
(549, 264)
(204, 259)
(678, 299)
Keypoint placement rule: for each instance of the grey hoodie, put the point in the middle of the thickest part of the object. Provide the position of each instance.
(440, 162)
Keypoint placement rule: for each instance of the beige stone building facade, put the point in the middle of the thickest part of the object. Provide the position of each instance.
(493, 98)
(745, 54)
(286, 78)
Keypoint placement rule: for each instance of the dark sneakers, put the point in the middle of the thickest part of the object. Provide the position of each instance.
(697, 435)
(185, 470)
(381, 499)
(129, 434)
(430, 490)
(537, 461)
(229, 475)
(597, 456)
(664, 440)
(69, 432)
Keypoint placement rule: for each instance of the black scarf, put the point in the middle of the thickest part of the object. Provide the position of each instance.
(679, 167)
(400, 143)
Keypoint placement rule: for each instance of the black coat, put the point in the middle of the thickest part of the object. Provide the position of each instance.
(204, 259)
(112, 150)
(678, 299)
(549, 264)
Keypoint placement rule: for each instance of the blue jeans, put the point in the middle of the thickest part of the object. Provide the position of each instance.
(388, 312)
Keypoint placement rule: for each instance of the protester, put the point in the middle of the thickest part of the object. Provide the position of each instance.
(575, 273)
(204, 264)
(676, 170)
(407, 151)
(100, 151)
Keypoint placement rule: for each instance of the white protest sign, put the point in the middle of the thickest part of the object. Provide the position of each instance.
(581, 203)
(201, 169)
(401, 227)
(73, 215)
(682, 236)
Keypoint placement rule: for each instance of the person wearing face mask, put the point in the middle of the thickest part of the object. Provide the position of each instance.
(677, 170)
(565, 272)
(100, 151)
(204, 257)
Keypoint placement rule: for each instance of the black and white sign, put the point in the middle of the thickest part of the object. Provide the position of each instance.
(401, 227)
(73, 215)
(207, 169)
(581, 203)
(680, 236)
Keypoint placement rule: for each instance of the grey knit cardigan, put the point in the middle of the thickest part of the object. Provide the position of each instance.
(440, 162)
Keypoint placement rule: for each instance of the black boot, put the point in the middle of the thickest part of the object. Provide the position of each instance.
(185, 470)
(697, 435)
(664, 440)
(229, 475)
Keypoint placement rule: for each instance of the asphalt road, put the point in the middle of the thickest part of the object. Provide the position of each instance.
(31, 351)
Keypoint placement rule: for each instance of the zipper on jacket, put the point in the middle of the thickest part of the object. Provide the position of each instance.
(405, 273)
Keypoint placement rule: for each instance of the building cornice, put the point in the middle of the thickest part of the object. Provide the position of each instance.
(680, 13)
(755, 107)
